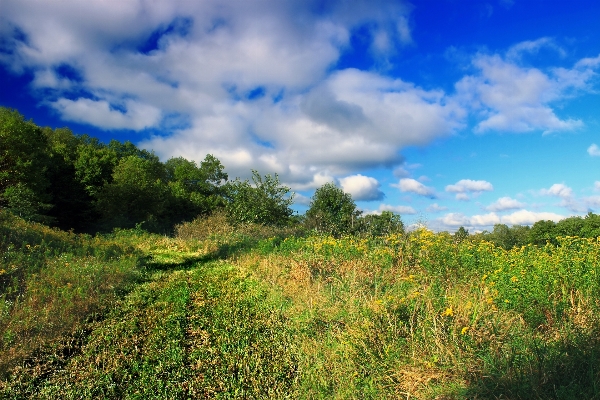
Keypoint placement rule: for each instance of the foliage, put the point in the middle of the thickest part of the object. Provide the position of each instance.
(256, 315)
(265, 201)
(383, 224)
(23, 164)
(332, 211)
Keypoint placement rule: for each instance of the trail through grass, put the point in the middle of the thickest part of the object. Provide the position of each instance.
(238, 316)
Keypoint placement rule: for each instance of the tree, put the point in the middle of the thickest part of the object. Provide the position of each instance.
(23, 166)
(195, 190)
(591, 226)
(332, 211)
(263, 202)
(542, 232)
(72, 204)
(138, 193)
(461, 234)
(381, 225)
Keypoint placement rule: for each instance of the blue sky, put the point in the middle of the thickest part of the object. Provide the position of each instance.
(452, 113)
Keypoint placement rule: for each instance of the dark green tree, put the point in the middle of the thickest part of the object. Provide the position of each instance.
(332, 211)
(591, 226)
(23, 166)
(461, 234)
(137, 194)
(383, 224)
(195, 190)
(265, 201)
(542, 232)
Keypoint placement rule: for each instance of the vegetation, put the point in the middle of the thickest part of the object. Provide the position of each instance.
(246, 300)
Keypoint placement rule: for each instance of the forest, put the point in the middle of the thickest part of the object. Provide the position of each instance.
(75, 182)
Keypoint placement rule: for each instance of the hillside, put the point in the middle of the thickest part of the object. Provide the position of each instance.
(252, 312)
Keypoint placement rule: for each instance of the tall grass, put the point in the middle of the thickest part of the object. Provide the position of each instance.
(252, 312)
(51, 282)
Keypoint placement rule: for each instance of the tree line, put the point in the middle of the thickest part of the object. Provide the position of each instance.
(76, 182)
(539, 233)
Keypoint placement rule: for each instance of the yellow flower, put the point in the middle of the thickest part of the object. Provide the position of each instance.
(449, 312)
(514, 279)
(464, 330)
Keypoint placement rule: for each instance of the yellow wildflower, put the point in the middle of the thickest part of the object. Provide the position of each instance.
(464, 330)
(449, 312)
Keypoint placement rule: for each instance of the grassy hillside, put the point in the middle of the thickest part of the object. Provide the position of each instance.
(218, 312)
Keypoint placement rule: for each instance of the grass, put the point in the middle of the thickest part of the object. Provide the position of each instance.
(248, 312)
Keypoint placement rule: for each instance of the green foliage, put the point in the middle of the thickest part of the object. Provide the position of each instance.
(23, 165)
(138, 193)
(461, 234)
(332, 211)
(384, 224)
(265, 201)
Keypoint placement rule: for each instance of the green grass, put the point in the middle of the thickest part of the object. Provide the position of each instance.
(251, 313)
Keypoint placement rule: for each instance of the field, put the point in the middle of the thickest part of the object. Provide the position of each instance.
(252, 312)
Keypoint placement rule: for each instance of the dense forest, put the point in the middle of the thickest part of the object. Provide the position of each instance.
(76, 182)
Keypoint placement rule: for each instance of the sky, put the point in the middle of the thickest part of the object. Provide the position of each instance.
(449, 112)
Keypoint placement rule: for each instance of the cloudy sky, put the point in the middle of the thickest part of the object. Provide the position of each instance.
(452, 113)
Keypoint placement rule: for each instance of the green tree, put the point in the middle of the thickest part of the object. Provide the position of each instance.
(572, 226)
(332, 211)
(542, 232)
(195, 190)
(461, 234)
(72, 205)
(265, 201)
(138, 193)
(23, 165)
(381, 225)
(591, 226)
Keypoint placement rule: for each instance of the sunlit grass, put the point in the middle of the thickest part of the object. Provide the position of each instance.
(254, 312)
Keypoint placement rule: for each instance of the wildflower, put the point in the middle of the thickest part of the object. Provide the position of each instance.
(448, 312)
(464, 330)
(514, 279)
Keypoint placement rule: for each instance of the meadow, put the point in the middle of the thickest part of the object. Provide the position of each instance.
(226, 312)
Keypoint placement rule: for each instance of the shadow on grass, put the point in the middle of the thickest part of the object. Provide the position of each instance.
(565, 369)
(223, 252)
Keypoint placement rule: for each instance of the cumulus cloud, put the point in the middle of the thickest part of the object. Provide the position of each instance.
(594, 150)
(558, 190)
(253, 79)
(484, 221)
(403, 210)
(434, 208)
(505, 203)
(136, 116)
(463, 187)
(468, 185)
(514, 98)
(362, 188)
(409, 185)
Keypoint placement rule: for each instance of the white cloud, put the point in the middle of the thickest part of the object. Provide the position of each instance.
(462, 197)
(409, 185)
(137, 116)
(558, 190)
(505, 203)
(434, 208)
(532, 47)
(594, 150)
(469, 185)
(597, 185)
(362, 188)
(403, 210)
(514, 98)
(486, 221)
(463, 187)
(303, 120)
